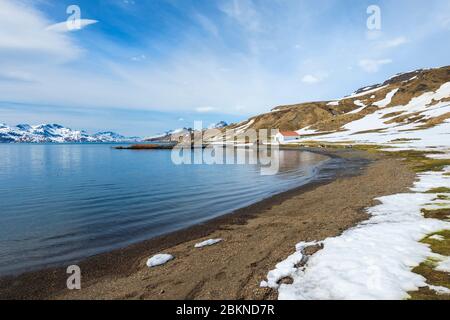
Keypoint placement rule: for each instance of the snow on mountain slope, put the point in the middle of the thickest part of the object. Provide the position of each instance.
(424, 120)
(218, 125)
(109, 136)
(54, 133)
(408, 101)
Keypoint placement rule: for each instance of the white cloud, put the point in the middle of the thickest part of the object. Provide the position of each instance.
(63, 27)
(23, 33)
(373, 65)
(393, 43)
(243, 71)
(315, 77)
(138, 58)
(310, 79)
(243, 12)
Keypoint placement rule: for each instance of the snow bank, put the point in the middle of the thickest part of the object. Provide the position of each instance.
(361, 105)
(440, 290)
(444, 265)
(288, 267)
(383, 103)
(209, 242)
(159, 259)
(374, 259)
(364, 93)
(437, 237)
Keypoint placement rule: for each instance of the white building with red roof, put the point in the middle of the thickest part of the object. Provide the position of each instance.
(287, 136)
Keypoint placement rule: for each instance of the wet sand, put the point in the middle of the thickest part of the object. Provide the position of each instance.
(255, 239)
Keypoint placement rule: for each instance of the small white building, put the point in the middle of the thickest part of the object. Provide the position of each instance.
(286, 136)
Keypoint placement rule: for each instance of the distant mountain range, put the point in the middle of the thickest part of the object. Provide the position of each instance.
(174, 135)
(55, 133)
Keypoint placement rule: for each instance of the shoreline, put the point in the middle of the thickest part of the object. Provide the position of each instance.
(126, 262)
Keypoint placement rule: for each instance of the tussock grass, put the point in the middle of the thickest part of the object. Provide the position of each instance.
(441, 214)
(405, 140)
(427, 294)
(426, 269)
(439, 190)
(439, 246)
(419, 160)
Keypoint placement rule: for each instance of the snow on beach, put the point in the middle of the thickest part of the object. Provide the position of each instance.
(287, 268)
(159, 259)
(374, 260)
(208, 242)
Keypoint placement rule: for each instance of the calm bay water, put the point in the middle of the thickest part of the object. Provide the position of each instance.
(60, 203)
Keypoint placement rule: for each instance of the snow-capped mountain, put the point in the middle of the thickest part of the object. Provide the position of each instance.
(109, 136)
(55, 133)
(175, 134)
(218, 125)
(171, 135)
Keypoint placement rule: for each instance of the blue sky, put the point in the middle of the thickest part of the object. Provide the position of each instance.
(142, 67)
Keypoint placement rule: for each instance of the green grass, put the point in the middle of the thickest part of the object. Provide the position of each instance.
(435, 278)
(404, 140)
(440, 204)
(419, 160)
(439, 190)
(439, 246)
(427, 294)
(441, 214)
(426, 269)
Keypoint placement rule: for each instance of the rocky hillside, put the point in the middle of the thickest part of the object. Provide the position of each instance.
(415, 100)
(181, 133)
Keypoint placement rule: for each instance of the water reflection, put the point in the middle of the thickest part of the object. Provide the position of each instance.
(64, 202)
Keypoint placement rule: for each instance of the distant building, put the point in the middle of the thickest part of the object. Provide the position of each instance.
(287, 136)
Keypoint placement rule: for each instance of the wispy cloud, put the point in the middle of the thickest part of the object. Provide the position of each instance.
(373, 65)
(64, 27)
(238, 57)
(393, 43)
(314, 77)
(310, 79)
(23, 32)
(243, 12)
